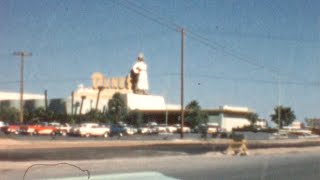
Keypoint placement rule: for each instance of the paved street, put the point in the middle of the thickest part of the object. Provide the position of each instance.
(248, 136)
(127, 138)
(293, 166)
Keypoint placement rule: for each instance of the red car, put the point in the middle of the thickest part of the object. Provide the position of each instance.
(38, 129)
(11, 129)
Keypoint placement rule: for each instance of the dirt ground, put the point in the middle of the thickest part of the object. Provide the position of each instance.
(34, 144)
(7, 165)
(16, 144)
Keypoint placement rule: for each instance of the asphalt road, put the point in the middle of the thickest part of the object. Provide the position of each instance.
(293, 166)
(168, 136)
(125, 138)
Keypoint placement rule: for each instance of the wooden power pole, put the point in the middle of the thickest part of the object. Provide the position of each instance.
(182, 85)
(22, 56)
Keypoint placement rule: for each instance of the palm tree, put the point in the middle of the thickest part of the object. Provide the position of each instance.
(285, 118)
(194, 115)
(117, 109)
(253, 118)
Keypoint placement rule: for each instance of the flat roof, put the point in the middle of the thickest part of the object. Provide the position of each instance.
(16, 96)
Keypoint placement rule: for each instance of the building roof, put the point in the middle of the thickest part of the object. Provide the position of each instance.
(16, 96)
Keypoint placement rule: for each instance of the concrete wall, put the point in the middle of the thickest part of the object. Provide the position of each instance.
(231, 122)
(228, 122)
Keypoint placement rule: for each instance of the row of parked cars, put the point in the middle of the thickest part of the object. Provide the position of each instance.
(91, 129)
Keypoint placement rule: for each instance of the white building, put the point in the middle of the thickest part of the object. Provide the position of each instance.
(228, 117)
(12, 99)
(133, 101)
(16, 96)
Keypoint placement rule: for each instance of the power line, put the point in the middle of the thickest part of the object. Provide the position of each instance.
(205, 41)
(45, 81)
(156, 20)
(209, 43)
(249, 80)
(164, 20)
(217, 46)
(192, 75)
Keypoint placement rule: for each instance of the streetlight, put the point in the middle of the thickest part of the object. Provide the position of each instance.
(22, 54)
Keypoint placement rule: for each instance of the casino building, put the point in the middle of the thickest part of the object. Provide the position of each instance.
(150, 107)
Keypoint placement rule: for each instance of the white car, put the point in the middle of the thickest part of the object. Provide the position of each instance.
(186, 129)
(145, 130)
(2, 124)
(129, 130)
(172, 129)
(91, 129)
(279, 136)
(64, 129)
(161, 128)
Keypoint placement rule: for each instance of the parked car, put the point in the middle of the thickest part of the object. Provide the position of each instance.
(172, 129)
(145, 129)
(211, 129)
(152, 124)
(279, 136)
(90, 129)
(38, 129)
(64, 129)
(2, 124)
(161, 128)
(11, 129)
(186, 129)
(122, 129)
(130, 130)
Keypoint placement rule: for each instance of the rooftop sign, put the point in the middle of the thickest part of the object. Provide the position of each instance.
(99, 80)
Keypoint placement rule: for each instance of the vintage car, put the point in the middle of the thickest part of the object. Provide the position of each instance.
(62, 129)
(90, 129)
(122, 129)
(11, 129)
(186, 129)
(161, 128)
(38, 129)
(145, 129)
(172, 129)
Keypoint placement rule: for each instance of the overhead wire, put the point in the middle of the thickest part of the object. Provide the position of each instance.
(243, 79)
(156, 20)
(133, 6)
(190, 75)
(203, 40)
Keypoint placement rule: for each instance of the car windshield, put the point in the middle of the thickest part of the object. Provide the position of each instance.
(159, 89)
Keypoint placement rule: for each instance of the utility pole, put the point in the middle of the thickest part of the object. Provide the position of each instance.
(22, 56)
(46, 104)
(279, 108)
(182, 85)
(46, 100)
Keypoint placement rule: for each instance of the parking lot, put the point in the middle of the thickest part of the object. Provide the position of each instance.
(135, 137)
(164, 136)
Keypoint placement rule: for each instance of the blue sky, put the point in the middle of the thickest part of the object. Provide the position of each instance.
(72, 39)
